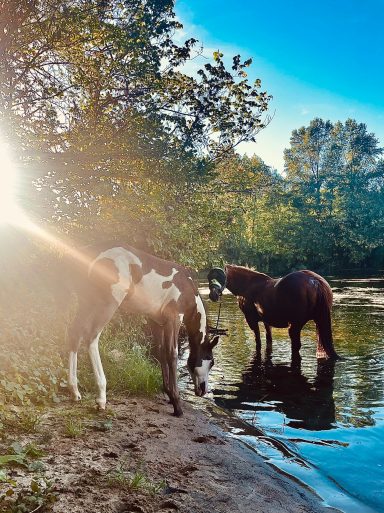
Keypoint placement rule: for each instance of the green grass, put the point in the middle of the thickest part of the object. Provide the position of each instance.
(23, 419)
(33, 365)
(74, 428)
(125, 353)
(119, 477)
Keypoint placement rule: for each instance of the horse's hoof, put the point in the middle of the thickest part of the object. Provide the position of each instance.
(101, 404)
(76, 396)
(177, 411)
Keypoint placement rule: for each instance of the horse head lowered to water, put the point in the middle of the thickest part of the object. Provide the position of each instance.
(288, 302)
(112, 276)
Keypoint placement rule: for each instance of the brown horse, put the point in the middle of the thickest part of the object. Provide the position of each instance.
(110, 276)
(290, 302)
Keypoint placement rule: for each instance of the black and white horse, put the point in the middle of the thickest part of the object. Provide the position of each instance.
(112, 276)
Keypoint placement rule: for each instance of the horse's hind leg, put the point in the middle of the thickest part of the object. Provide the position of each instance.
(268, 334)
(100, 317)
(256, 331)
(87, 327)
(294, 332)
(98, 371)
(75, 336)
(72, 375)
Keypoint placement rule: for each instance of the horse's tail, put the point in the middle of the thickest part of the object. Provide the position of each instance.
(62, 285)
(322, 318)
(69, 279)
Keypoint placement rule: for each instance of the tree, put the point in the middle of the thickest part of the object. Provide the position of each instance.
(359, 203)
(335, 177)
(94, 98)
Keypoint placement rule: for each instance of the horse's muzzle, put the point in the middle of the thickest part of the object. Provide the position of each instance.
(201, 389)
(214, 294)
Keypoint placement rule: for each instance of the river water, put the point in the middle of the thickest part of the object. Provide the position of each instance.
(320, 422)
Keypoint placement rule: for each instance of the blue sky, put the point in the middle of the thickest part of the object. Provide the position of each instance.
(318, 59)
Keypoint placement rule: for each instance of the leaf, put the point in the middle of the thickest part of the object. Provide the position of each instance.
(36, 466)
(103, 426)
(33, 451)
(217, 56)
(12, 458)
(17, 448)
(35, 487)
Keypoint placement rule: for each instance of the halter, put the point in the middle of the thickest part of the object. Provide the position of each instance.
(217, 280)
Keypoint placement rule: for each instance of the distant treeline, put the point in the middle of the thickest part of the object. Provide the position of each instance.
(326, 212)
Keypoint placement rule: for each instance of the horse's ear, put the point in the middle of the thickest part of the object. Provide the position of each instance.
(215, 340)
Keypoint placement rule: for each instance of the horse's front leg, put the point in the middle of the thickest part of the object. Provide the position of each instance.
(171, 333)
(268, 335)
(159, 352)
(252, 317)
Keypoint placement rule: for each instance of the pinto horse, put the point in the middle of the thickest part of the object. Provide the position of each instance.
(107, 277)
(290, 302)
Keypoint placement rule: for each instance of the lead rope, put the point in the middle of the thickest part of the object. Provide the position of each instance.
(218, 315)
(221, 286)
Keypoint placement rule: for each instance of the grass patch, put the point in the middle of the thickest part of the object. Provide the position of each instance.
(74, 428)
(120, 477)
(128, 366)
(34, 373)
(25, 419)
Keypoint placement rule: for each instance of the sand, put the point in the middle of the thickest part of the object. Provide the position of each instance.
(139, 458)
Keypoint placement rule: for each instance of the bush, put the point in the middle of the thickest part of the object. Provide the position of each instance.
(33, 356)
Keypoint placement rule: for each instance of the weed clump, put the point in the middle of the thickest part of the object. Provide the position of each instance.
(125, 353)
(33, 366)
(121, 477)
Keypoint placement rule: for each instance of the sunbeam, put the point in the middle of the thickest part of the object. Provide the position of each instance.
(10, 212)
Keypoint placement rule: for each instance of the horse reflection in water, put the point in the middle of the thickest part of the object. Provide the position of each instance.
(307, 404)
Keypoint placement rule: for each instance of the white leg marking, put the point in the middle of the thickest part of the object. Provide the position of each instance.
(72, 376)
(99, 372)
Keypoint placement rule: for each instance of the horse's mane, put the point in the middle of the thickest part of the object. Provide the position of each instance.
(245, 271)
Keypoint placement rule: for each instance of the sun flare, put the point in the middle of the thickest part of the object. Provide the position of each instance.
(10, 212)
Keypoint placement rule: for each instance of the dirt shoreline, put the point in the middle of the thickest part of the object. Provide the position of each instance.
(137, 457)
(185, 465)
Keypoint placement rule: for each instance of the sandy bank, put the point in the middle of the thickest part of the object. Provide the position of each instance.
(197, 467)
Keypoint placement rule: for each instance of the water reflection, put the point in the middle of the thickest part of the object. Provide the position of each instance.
(331, 414)
(306, 404)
